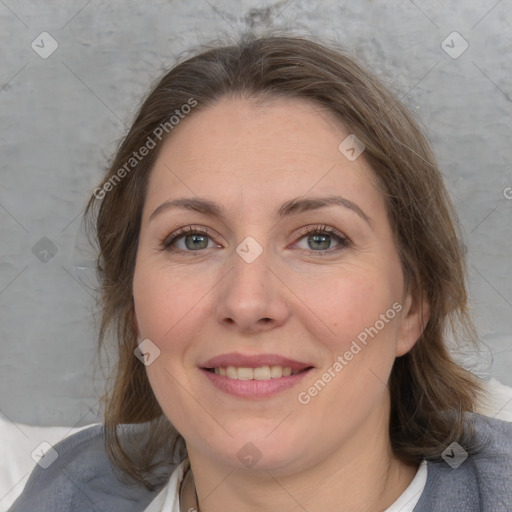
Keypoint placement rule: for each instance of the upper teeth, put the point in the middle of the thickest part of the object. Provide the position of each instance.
(260, 373)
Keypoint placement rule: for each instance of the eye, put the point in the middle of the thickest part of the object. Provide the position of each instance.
(321, 237)
(194, 239)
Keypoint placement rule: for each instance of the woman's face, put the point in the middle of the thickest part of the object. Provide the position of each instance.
(257, 294)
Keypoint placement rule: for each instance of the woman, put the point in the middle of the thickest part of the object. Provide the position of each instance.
(280, 263)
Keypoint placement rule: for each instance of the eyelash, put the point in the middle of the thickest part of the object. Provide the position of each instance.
(311, 230)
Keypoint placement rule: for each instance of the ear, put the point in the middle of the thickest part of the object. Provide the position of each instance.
(415, 316)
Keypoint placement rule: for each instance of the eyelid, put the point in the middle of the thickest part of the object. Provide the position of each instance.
(320, 228)
(183, 231)
(344, 241)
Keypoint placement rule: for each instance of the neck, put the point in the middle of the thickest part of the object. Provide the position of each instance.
(360, 475)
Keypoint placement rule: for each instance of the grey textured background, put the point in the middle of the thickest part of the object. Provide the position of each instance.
(62, 117)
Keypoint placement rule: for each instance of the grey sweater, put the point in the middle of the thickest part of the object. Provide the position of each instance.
(81, 479)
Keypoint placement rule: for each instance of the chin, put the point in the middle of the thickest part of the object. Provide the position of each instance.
(261, 451)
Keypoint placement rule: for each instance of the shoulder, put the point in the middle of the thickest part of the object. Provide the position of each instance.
(76, 474)
(467, 481)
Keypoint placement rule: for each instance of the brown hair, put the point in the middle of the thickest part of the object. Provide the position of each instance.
(429, 391)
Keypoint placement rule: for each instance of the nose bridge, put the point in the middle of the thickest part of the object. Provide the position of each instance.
(250, 296)
(250, 277)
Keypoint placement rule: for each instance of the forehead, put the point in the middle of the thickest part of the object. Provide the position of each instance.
(258, 151)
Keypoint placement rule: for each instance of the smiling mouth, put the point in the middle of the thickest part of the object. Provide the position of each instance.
(267, 372)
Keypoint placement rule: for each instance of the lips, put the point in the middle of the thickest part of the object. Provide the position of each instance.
(256, 376)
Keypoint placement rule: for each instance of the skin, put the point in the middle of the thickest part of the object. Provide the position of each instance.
(334, 453)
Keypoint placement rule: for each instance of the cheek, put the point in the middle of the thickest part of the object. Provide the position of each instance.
(359, 348)
(342, 305)
(360, 316)
(165, 302)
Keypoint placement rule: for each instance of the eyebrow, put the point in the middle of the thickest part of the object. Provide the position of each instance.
(292, 207)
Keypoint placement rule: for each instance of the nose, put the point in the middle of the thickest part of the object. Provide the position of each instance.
(252, 296)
